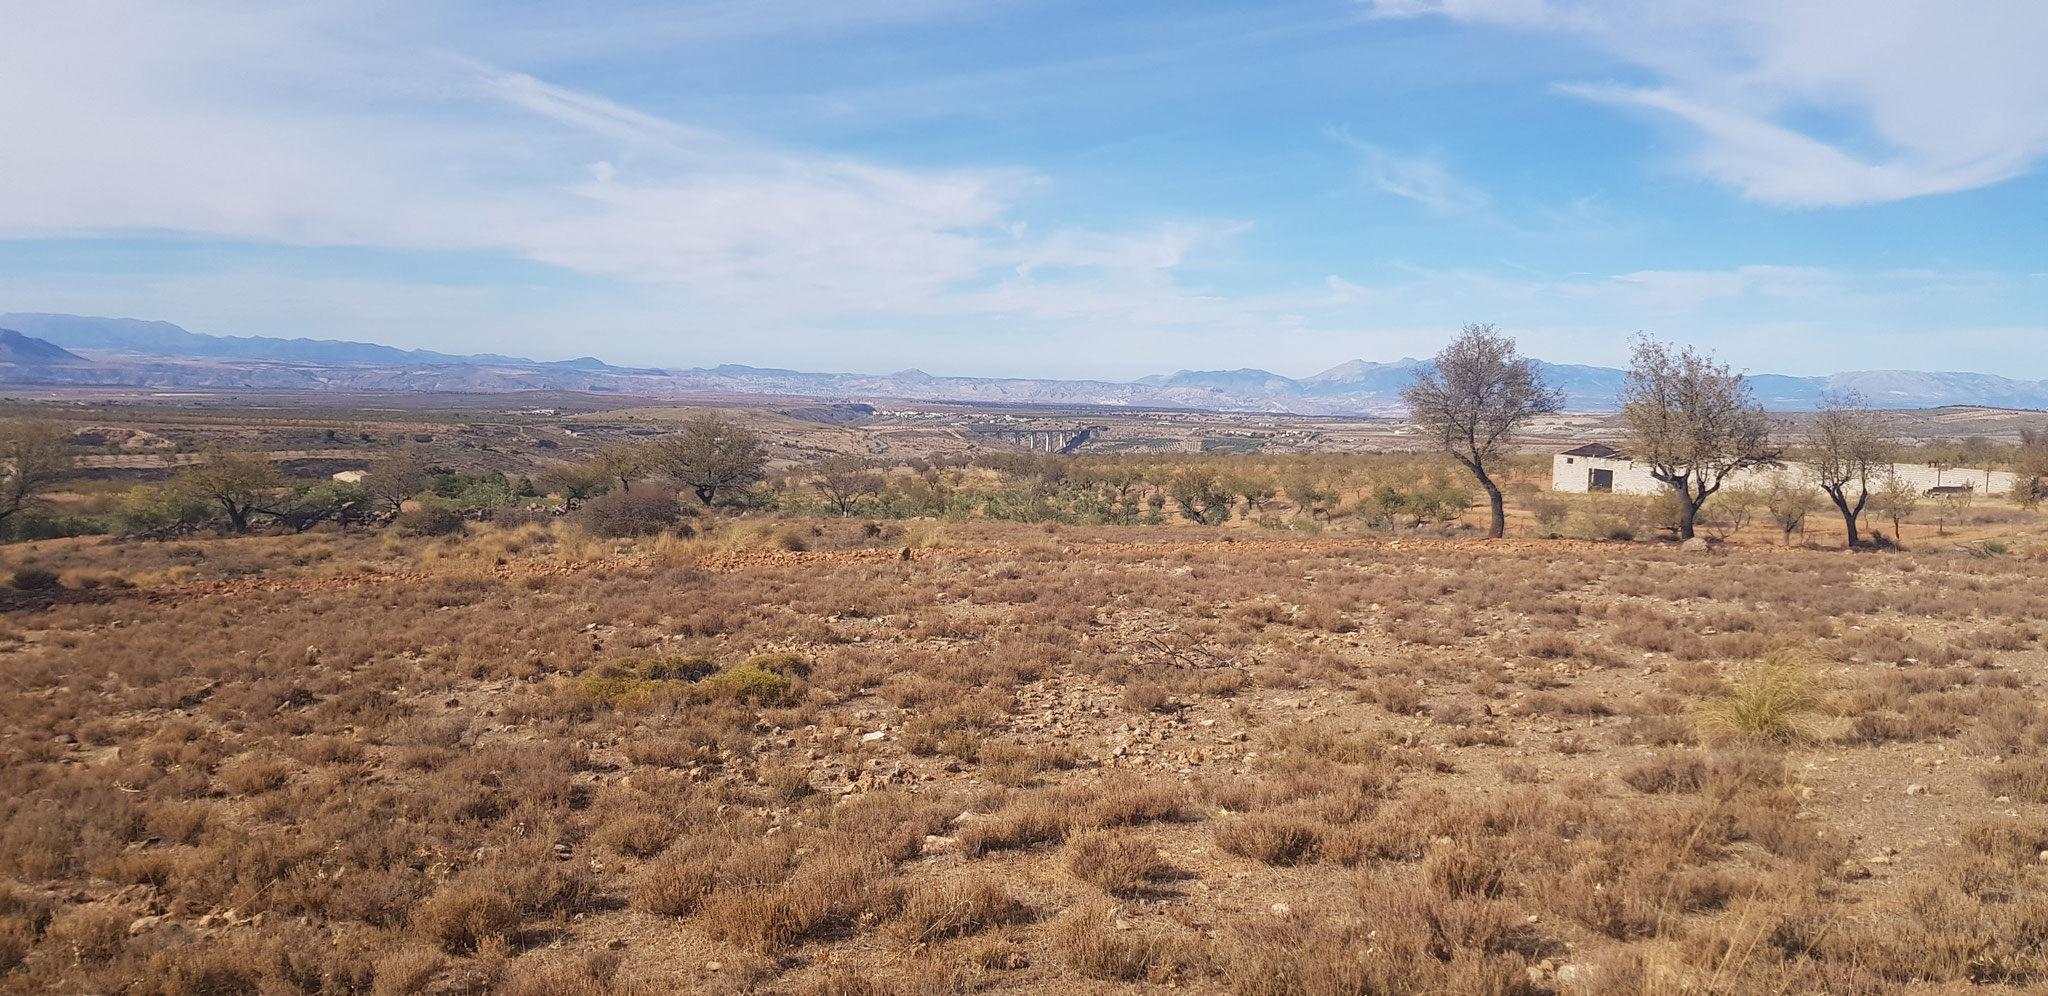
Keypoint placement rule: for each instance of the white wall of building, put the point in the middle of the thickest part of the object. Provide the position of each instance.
(1574, 474)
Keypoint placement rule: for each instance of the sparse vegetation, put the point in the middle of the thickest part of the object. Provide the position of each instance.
(1037, 740)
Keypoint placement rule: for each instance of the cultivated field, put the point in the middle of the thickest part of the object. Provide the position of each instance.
(997, 757)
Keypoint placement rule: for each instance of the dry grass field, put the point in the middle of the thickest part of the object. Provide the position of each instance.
(1004, 758)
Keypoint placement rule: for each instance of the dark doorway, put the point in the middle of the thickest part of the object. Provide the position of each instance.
(1600, 480)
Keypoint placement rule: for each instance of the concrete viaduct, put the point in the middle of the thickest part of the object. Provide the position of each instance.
(1047, 440)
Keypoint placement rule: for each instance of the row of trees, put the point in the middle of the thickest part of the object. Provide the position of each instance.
(1693, 422)
(710, 457)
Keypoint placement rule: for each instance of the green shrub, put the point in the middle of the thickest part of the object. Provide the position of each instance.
(636, 678)
(781, 662)
(750, 684)
(33, 579)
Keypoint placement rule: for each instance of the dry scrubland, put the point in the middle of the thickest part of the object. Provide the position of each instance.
(1047, 760)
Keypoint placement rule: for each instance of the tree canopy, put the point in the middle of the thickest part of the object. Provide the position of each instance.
(1692, 422)
(1479, 391)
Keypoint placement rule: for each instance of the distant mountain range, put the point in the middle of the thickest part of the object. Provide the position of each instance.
(74, 350)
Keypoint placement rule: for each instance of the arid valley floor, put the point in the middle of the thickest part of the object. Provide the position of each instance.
(818, 755)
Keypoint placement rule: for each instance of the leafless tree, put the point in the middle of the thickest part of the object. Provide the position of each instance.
(398, 478)
(1473, 398)
(1895, 500)
(1693, 422)
(1852, 453)
(33, 460)
(712, 457)
(625, 463)
(845, 481)
(1790, 498)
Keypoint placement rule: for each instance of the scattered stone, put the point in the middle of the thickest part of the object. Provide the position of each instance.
(1852, 871)
(1916, 789)
(1282, 909)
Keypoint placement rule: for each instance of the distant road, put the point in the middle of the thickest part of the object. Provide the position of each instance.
(157, 460)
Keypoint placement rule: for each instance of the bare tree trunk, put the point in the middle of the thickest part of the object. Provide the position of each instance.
(1499, 526)
(1688, 514)
(1849, 516)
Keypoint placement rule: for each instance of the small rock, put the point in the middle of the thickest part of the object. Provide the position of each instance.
(1282, 909)
(1852, 871)
(1916, 789)
(616, 944)
(713, 966)
(868, 738)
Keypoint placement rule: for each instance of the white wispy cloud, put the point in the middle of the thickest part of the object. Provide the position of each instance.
(285, 125)
(1419, 177)
(1945, 97)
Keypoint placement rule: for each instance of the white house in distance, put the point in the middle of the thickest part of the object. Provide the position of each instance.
(1597, 467)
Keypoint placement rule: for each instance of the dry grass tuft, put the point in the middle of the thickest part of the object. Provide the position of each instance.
(1772, 700)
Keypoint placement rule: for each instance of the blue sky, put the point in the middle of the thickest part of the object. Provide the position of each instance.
(1042, 188)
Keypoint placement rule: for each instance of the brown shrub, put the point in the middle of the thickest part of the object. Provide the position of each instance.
(1461, 871)
(2021, 780)
(1116, 864)
(1668, 772)
(957, 908)
(1087, 938)
(92, 935)
(1272, 839)
(674, 886)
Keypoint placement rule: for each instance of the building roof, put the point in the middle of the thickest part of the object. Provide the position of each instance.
(1598, 450)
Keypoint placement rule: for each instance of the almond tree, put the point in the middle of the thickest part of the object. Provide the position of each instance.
(845, 481)
(1693, 422)
(32, 460)
(1471, 401)
(712, 457)
(1851, 454)
(242, 484)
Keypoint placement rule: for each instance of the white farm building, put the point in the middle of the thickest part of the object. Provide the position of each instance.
(1599, 467)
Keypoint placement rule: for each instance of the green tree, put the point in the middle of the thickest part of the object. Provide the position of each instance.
(1692, 422)
(712, 457)
(241, 484)
(149, 510)
(2030, 465)
(33, 460)
(1200, 497)
(1254, 487)
(624, 462)
(1472, 399)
